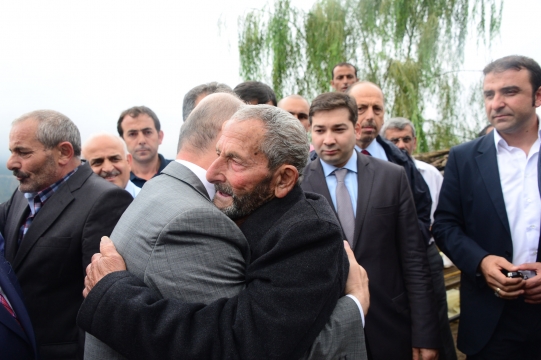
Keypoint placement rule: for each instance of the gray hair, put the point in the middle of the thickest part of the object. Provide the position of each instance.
(188, 104)
(399, 123)
(54, 128)
(285, 140)
(110, 136)
(203, 125)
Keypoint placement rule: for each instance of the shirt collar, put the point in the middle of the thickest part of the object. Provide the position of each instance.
(46, 193)
(201, 175)
(351, 165)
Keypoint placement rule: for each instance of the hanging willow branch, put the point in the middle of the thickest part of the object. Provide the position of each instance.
(413, 49)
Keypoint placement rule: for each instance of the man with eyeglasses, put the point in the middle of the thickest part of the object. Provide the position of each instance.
(401, 132)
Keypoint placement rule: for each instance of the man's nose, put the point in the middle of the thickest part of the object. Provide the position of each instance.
(12, 164)
(215, 173)
(401, 144)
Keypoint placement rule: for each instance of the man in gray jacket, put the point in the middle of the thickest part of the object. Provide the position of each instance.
(183, 247)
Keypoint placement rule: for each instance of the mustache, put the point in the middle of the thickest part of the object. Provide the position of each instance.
(368, 123)
(224, 188)
(106, 174)
(142, 148)
(20, 174)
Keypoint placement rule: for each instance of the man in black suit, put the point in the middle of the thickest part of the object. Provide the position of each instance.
(52, 225)
(17, 339)
(487, 219)
(381, 227)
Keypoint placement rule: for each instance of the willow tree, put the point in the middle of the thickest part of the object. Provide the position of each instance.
(413, 49)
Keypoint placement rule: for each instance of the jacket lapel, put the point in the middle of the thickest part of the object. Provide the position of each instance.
(318, 183)
(182, 173)
(487, 163)
(18, 212)
(365, 181)
(50, 211)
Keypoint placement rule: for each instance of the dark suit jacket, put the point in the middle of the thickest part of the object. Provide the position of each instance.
(17, 342)
(51, 260)
(402, 311)
(419, 188)
(471, 223)
(297, 272)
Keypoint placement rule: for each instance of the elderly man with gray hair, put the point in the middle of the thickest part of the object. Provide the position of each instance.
(52, 225)
(292, 259)
(401, 132)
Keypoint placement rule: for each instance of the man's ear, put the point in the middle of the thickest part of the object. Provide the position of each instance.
(285, 178)
(129, 159)
(537, 98)
(64, 152)
(160, 136)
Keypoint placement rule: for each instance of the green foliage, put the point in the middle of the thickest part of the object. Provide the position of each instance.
(413, 49)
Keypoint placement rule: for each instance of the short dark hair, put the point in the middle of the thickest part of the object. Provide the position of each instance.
(334, 100)
(343, 64)
(135, 112)
(188, 104)
(517, 62)
(255, 90)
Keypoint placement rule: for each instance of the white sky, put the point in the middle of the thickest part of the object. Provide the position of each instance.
(91, 60)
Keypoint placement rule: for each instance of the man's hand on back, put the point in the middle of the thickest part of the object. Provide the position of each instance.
(108, 260)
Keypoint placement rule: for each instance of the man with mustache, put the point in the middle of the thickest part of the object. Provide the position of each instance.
(371, 110)
(271, 285)
(52, 225)
(139, 127)
(109, 158)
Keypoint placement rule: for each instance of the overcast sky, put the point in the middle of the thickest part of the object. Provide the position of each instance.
(91, 60)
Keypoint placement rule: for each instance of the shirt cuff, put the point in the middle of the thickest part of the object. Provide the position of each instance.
(358, 305)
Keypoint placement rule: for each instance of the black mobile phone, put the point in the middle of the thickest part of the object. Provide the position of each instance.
(513, 274)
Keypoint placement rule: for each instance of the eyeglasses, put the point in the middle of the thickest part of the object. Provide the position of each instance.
(405, 139)
(301, 116)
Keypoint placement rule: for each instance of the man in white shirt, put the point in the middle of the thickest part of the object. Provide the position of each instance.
(108, 157)
(488, 218)
(401, 132)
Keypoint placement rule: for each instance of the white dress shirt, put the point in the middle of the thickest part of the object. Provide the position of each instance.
(201, 175)
(132, 189)
(434, 180)
(518, 176)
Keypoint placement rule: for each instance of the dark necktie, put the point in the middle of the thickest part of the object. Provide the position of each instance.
(363, 151)
(344, 208)
(28, 222)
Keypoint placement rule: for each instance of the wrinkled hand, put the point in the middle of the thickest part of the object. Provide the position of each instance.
(532, 286)
(491, 267)
(424, 354)
(357, 283)
(108, 260)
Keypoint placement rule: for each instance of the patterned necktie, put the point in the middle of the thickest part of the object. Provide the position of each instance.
(28, 222)
(363, 151)
(8, 307)
(344, 206)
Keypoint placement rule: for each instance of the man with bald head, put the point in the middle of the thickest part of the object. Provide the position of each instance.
(297, 106)
(108, 157)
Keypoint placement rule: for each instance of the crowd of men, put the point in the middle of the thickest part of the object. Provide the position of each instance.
(257, 241)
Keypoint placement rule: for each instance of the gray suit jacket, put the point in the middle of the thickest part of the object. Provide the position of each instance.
(182, 246)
